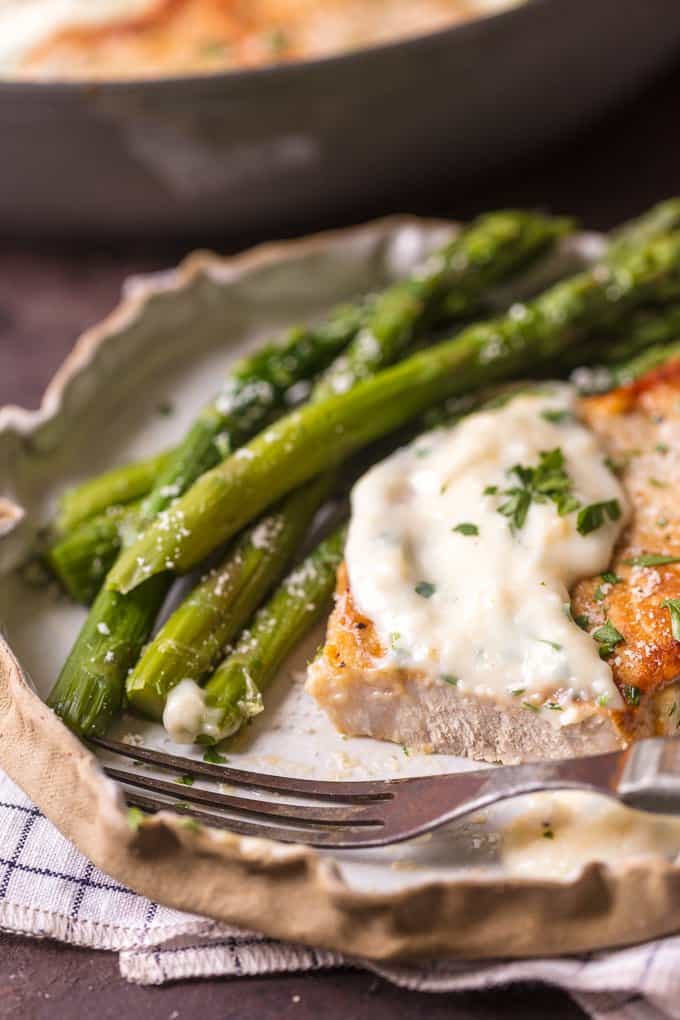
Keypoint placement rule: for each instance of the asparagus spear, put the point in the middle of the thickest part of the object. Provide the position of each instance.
(450, 285)
(648, 327)
(113, 488)
(321, 434)
(83, 557)
(193, 638)
(234, 691)
(662, 218)
(89, 691)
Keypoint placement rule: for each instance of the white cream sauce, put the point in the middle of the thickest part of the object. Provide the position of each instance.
(487, 611)
(187, 716)
(558, 834)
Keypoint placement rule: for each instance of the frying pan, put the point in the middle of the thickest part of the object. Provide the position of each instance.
(258, 150)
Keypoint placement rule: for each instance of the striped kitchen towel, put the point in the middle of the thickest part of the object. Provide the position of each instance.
(49, 890)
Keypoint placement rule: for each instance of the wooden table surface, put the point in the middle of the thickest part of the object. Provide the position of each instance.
(47, 296)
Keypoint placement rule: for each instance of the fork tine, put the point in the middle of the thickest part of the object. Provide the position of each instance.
(317, 837)
(342, 815)
(322, 789)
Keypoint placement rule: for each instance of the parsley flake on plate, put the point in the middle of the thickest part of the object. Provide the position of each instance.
(466, 528)
(674, 606)
(556, 416)
(608, 637)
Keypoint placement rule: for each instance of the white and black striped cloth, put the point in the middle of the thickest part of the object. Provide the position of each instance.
(48, 889)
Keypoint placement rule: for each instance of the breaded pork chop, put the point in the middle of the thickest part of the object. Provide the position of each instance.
(639, 428)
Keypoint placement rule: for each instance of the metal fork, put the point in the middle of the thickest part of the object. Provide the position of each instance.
(339, 815)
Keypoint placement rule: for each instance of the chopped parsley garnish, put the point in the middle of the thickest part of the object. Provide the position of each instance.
(530, 706)
(423, 451)
(603, 699)
(657, 483)
(652, 560)
(609, 577)
(548, 480)
(674, 606)
(516, 691)
(661, 447)
(614, 466)
(554, 706)
(185, 780)
(548, 834)
(213, 757)
(608, 637)
(592, 517)
(395, 636)
(466, 528)
(425, 589)
(631, 694)
(490, 490)
(556, 417)
(553, 644)
(448, 678)
(582, 621)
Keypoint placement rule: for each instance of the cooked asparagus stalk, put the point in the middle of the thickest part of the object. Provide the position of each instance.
(648, 327)
(663, 218)
(452, 284)
(83, 557)
(321, 434)
(240, 411)
(113, 488)
(194, 637)
(234, 691)
(89, 691)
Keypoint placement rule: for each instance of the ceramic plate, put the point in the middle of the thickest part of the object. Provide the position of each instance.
(492, 885)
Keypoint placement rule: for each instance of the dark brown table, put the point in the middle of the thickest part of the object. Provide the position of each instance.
(48, 296)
